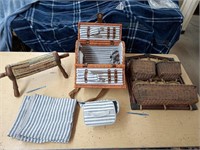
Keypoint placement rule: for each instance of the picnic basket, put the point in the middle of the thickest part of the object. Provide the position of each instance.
(100, 55)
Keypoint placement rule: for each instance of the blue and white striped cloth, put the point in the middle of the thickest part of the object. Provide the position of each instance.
(44, 119)
(52, 25)
(100, 113)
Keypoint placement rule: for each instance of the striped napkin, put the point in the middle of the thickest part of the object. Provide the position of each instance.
(44, 119)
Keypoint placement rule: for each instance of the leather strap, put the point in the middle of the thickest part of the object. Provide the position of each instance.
(101, 94)
(115, 75)
(85, 75)
(109, 76)
(73, 93)
(114, 32)
(88, 32)
(108, 32)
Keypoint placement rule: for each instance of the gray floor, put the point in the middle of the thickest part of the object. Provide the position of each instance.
(187, 50)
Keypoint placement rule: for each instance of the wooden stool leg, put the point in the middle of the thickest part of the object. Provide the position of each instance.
(15, 88)
(57, 59)
(10, 74)
(63, 71)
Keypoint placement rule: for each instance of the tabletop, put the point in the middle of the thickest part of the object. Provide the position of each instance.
(161, 128)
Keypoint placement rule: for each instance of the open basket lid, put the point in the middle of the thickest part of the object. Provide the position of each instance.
(99, 32)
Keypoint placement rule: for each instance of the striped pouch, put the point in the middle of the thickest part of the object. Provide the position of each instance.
(98, 113)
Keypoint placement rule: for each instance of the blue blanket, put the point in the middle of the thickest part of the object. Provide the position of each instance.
(8, 11)
(52, 25)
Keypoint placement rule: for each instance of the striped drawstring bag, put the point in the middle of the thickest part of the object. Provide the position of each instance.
(101, 112)
(44, 119)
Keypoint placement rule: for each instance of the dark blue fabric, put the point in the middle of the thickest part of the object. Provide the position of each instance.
(8, 11)
(151, 30)
(52, 25)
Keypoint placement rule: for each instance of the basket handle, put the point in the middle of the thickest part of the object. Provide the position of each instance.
(99, 17)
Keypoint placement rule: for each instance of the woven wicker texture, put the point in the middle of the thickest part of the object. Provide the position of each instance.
(32, 66)
(165, 94)
(168, 70)
(142, 69)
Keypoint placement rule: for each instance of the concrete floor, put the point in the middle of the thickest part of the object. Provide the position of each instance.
(187, 50)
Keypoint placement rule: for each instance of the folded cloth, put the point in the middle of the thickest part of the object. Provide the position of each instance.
(44, 119)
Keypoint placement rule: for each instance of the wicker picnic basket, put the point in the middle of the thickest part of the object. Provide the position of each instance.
(142, 69)
(100, 56)
(165, 94)
(169, 70)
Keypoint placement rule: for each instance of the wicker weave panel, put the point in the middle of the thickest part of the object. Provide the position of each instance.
(32, 66)
(169, 70)
(165, 94)
(142, 69)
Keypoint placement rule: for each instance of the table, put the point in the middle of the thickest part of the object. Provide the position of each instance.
(161, 128)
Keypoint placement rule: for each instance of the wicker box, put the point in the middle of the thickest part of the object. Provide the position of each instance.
(100, 56)
(165, 94)
(168, 70)
(142, 69)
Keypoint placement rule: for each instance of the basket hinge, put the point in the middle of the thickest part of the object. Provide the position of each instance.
(85, 65)
(111, 42)
(113, 65)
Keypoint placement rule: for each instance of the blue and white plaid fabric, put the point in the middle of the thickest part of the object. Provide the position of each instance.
(44, 119)
(52, 25)
(9, 9)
